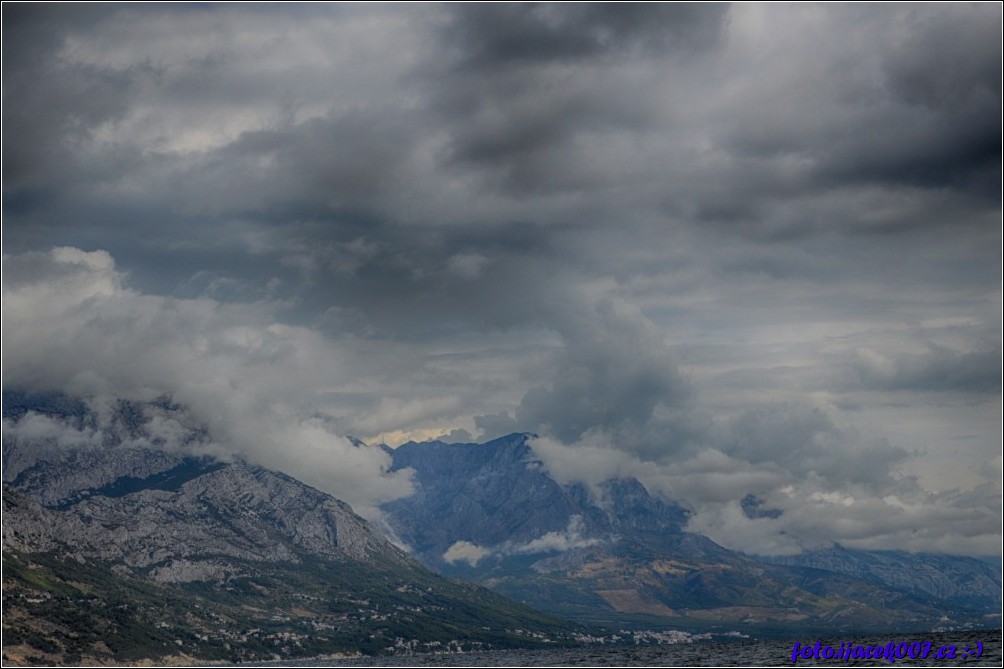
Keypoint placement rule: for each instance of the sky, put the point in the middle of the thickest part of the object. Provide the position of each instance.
(729, 250)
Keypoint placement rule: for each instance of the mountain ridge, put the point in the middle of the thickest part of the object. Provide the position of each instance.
(474, 486)
(492, 514)
(948, 577)
(235, 561)
(116, 552)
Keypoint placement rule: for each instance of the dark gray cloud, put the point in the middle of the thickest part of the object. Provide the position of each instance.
(528, 87)
(59, 104)
(506, 35)
(612, 372)
(948, 60)
(804, 440)
(752, 507)
(743, 249)
(940, 369)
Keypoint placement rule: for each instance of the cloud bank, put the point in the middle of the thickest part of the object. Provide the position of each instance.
(251, 381)
(731, 249)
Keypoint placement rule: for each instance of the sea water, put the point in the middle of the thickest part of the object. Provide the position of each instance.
(739, 652)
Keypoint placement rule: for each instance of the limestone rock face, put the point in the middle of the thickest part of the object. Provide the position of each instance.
(167, 513)
(499, 495)
(229, 512)
(491, 513)
(127, 539)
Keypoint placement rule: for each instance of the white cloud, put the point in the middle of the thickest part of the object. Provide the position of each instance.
(821, 503)
(48, 431)
(465, 551)
(591, 462)
(252, 381)
(551, 542)
(556, 542)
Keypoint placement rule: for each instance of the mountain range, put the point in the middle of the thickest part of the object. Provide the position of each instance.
(619, 555)
(117, 550)
(128, 541)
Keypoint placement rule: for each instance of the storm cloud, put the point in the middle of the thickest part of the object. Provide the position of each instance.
(730, 249)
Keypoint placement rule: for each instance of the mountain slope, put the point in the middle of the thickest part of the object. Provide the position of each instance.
(958, 580)
(195, 531)
(499, 497)
(115, 550)
(620, 556)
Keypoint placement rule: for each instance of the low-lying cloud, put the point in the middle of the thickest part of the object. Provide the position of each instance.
(251, 381)
(728, 249)
(847, 492)
(287, 397)
(550, 542)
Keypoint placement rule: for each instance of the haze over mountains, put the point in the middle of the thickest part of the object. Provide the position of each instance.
(118, 515)
(713, 247)
(737, 266)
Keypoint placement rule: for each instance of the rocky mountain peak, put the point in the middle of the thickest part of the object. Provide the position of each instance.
(500, 497)
(113, 489)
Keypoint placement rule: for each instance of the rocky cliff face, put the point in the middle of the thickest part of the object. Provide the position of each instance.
(203, 529)
(168, 513)
(499, 497)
